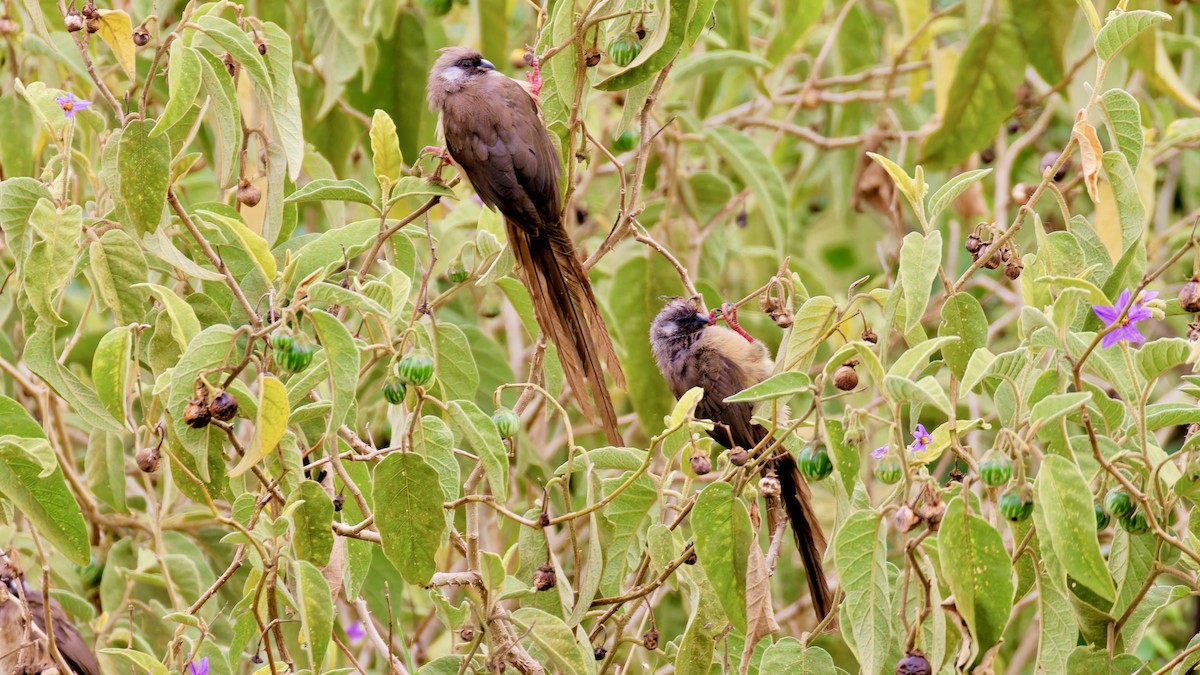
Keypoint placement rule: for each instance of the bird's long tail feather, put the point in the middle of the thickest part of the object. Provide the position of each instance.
(566, 310)
(797, 501)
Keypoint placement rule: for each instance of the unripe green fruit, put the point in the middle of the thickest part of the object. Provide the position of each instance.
(416, 369)
(297, 357)
(394, 391)
(815, 463)
(995, 469)
(1017, 503)
(282, 342)
(888, 472)
(625, 49)
(627, 141)
(508, 423)
(457, 273)
(1118, 503)
(1102, 518)
(1134, 523)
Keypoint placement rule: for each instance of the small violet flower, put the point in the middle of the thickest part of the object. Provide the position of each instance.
(355, 632)
(879, 452)
(71, 105)
(199, 667)
(921, 439)
(1125, 329)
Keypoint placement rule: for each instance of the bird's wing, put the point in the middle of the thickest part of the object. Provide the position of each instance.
(720, 377)
(494, 132)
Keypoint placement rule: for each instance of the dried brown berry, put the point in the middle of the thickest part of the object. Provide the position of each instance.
(768, 485)
(1021, 193)
(223, 407)
(467, 632)
(141, 36)
(7, 25)
(973, 243)
(90, 11)
(93, 24)
(339, 500)
(543, 519)
(1014, 125)
(738, 456)
(196, 414)
(846, 377)
(701, 464)
(599, 653)
(248, 193)
(231, 66)
(650, 639)
(262, 47)
(1049, 160)
(1193, 332)
(74, 21)
(914, 664)
(1189, 295)
(869, 335)
(775, 308)
(148, 459)
(1013, 270)
(544, 577)
(905, 519)
(592, 58)
(691, 559)
(987, 155)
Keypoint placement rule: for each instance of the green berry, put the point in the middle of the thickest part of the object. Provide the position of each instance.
(995, 469)
(282, 342)
(1102, 518)
(625, 49)
(416, 369)
(394, 391)
(815, 463)
(1017, 503)
(508, 423)
(297, 357)
(627, 141)
(437, 7)
(888, 472)
(1134, 522)
(1118, 503)
(457, 273)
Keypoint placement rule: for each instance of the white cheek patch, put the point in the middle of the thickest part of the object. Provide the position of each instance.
(454, 75)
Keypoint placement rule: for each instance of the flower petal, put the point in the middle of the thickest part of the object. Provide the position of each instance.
(1123, 299)
(879, 452)
(1107, 314)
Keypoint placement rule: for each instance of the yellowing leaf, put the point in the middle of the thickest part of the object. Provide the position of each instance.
(273, 411)
(116, 30)
(1090, 151)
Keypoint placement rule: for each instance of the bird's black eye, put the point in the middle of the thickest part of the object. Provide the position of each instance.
(468, 63)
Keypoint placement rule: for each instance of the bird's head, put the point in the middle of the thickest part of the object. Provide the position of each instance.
(678, 322)
(453, 69)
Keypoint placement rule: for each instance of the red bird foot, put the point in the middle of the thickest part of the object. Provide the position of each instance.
(534, 77)
(728, 310)
(442, 154)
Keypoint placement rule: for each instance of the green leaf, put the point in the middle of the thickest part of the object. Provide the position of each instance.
(480, 432)
(723, 537)
(341, 362)
(255, 245)
(554, 639)
(1055, 406)
(860, 554)
(347, 190)
(271, 423)
(47, 270)
(408, 514)
(183, 84)
(117, 265)
(904, 183)
(920, 258)
(1130, 210)
(775, 387)
(658, 49)
(488, 15)
(43, 496)
(184, 324)
(42, 361)
(15, 420)
(717, 60)
(758, 172)
(796, 19)
(140, 661)
(962, 317)
(1086, 660)
(1179, 132)
(315, 603)
(1125, 124)
(1121, 27)
(1159, 356)
(240, 47)
(1041, 25)
(110, 369)
(1066, 501)
(416, 186)
(227, 113)
(18, 198)
(1057, 633)
(635, 296)
(385, 149)
(457, 371)
(790, 656)
(941, 200)
(978, 571)
(312, 520)
(812, 321)
(981, 95)
(105, 467)
(144, 164)
(594, 563)
(285, 102)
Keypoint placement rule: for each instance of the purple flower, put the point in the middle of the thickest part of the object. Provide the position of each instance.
(921, 439)
(1125, 329)
(71, 105)
(879, 452)
(199, 667)
(355, 632)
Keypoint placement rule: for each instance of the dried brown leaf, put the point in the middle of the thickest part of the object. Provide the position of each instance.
(760, 613)
(1090, 152)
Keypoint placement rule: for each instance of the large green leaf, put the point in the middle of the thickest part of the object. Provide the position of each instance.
(981, 95)
(978, 571)
(659, 48)
(110, 369)
(636, 297)
(42, 495)
(1042, 31)
(18, 197)
(312, 519)
(341, 361)
(723, 537)
(408, 514)
(962, 317)
(1122, 27)
(47, 271)
(144, 164)
(920, 257)
(480, 432)
(315, 603)
(240, 47)
(759, 173)
(117, 265)
(554, 639)
(1063, 494)
(790, 656)
(183, 83)
(860, 554)
(1124, 124)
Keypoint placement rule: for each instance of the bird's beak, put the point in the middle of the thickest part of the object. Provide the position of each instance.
(486, 65)
(705, 318)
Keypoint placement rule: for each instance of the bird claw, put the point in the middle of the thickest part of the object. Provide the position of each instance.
(728, 310)
(534, 77)
(443, 156)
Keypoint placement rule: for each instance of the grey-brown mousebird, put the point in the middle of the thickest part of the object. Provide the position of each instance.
(19, 655)
(494, 133)
(693, 351)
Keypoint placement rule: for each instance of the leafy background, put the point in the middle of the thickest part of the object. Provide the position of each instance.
(252, 171)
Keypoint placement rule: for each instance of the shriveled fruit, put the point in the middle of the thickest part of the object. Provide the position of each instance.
(701, 464)
(544, 577)
(738, 456)
(768, 486)
(1189, 296)
(148, 459)
(223, 407)
(196, 415)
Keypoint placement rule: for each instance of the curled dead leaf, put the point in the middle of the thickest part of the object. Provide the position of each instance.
(1090, 152)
